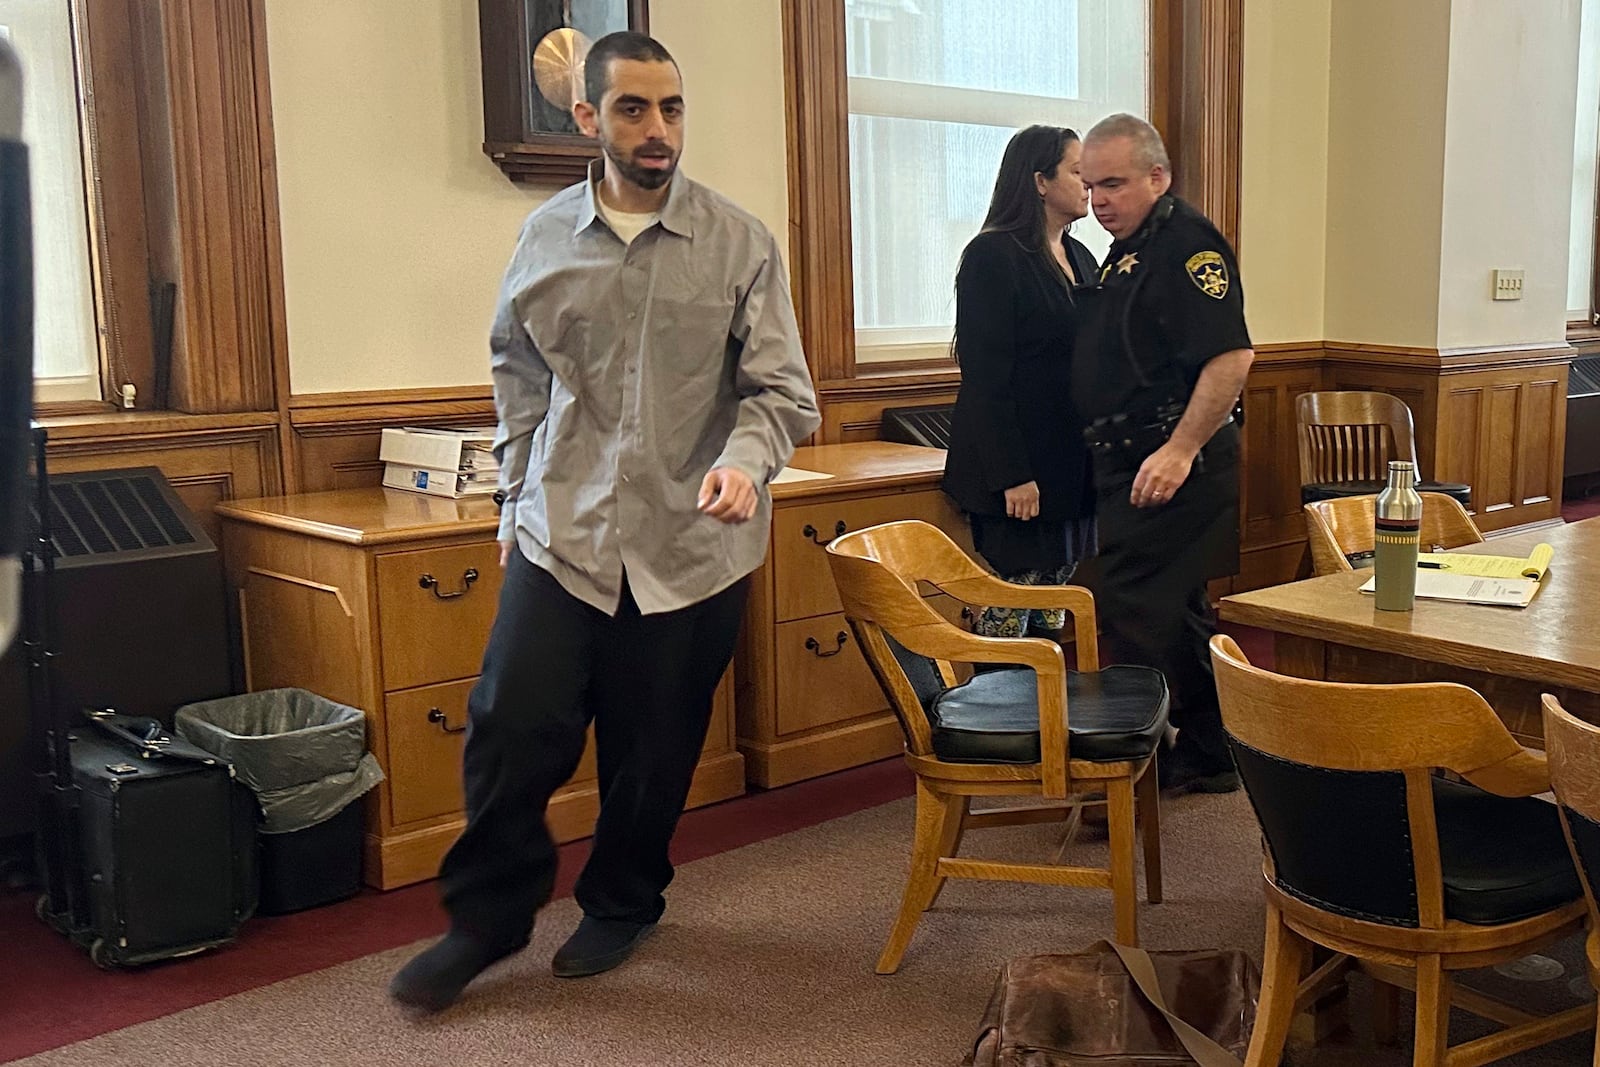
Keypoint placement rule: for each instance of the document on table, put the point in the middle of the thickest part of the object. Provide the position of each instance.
(1471, 588)
(798, 474)
(1533, 566)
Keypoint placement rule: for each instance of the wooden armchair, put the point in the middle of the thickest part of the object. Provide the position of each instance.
(1347, 439)
(1402, 873)
(1574, 748)
(1341, 527)
(1033, 729)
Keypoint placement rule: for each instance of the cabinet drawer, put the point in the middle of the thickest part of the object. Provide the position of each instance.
(822, 677)
(435, 607)
(426, 735)
(426, 729)
(804, 583)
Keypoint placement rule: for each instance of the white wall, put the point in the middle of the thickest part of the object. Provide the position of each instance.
(731, 55)
(1508, 170)
(1283, 196)
(396, 226)
(1390, 65)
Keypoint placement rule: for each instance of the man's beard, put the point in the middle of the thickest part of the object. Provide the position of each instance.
(642, 176)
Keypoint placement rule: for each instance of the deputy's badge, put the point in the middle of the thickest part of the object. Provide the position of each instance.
(1208, 271)
(1126, 264)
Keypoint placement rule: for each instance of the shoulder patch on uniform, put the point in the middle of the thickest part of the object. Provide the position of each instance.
(1209, 272)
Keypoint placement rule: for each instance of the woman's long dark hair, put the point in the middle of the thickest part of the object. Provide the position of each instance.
(1015, 206)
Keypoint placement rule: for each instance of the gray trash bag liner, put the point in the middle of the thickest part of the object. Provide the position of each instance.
(304, 756)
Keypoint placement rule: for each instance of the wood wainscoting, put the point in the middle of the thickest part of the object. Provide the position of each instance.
(853, 410)
(335, 436)
(330, 441)
(207, 458)
(1494, 419)
(1272, 529)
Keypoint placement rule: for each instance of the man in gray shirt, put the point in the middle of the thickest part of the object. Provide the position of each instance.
(649, 382)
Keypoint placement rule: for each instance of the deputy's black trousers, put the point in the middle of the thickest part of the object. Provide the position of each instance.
(553, 664)
(1154, 564)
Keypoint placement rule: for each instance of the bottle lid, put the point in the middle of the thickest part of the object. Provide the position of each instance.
(1401, 465)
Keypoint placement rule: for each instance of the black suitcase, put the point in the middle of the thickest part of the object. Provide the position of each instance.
(166, 844)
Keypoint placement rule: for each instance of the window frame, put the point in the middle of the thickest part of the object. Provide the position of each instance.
(1195, 91)
(961, 105)
(176, 105)
(1587, 331)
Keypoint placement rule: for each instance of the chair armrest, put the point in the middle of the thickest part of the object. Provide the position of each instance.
(1522, 774)
(944, 640)
(989, 591)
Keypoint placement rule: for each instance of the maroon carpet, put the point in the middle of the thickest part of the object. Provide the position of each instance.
(1581, 508)
(51, 995)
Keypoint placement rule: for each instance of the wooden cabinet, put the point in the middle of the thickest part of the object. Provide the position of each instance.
(807, 702)
(383, 600)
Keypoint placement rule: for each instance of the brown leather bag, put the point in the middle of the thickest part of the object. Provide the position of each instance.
(1114, 1006)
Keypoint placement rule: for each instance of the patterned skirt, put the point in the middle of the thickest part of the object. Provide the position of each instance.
(1036, 552)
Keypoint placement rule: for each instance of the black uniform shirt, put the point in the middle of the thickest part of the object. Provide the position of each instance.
(1168, 302)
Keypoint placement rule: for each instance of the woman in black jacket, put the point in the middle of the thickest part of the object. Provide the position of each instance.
(1017, 463)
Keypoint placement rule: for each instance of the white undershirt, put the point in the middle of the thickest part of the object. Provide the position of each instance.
(625, 224)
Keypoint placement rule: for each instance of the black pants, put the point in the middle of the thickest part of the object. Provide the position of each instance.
(1151, 597)
(553, 664)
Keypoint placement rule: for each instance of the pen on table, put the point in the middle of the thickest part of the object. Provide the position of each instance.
(1432, 566)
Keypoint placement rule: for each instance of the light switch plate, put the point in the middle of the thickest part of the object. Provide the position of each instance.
(1508, 285)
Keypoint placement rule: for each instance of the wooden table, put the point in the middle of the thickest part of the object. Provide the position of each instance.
(1324, 628)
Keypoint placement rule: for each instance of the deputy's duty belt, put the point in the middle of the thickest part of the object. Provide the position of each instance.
(1133, 434)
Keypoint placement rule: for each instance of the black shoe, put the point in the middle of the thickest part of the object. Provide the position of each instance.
(1179, 775)
(598, 945)
(435, 977)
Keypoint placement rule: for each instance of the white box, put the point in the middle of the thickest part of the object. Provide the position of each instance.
(437, 482)
(438, 449)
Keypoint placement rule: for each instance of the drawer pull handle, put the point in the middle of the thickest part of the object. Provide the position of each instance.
(428, 581)
(840, 639)
(435, 715)
(810, 532)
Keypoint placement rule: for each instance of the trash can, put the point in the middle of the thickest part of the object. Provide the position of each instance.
(306, 760)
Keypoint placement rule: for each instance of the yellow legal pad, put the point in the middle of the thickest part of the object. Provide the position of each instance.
(1533, 566)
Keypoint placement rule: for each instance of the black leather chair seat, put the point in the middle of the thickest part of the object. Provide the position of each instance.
(1310, 494)
(1503, 858)
(1117, 713)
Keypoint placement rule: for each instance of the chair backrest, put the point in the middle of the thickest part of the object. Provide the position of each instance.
(1573, 747)
(1338, 528)
(876, 571)
(1352, 436)
(1340, 776)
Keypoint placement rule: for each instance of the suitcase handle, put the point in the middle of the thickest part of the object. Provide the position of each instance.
(144, 734)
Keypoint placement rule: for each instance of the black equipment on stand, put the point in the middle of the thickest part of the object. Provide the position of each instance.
(62, 905)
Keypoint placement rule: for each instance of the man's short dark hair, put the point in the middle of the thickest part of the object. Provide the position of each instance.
(624, 44)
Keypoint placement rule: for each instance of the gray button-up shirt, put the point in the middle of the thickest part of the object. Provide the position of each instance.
(623, 374)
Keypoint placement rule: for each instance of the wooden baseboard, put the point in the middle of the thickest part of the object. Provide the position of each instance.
(776, 763)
